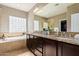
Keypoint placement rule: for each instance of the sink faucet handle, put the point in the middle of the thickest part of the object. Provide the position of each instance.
(3, 36)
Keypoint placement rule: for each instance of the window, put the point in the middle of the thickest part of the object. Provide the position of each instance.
(45, 25)
(36, 25)
(75, 22)
(17, 24)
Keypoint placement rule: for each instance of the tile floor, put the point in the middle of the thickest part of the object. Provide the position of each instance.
(21, 52)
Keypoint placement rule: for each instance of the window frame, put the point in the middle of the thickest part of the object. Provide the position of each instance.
(17, 18)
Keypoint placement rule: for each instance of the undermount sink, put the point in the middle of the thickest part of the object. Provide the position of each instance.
(76, 36)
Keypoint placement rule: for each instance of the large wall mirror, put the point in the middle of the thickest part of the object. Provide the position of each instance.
(66, 21)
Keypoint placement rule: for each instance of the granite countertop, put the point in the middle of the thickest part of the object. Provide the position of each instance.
(62, 39)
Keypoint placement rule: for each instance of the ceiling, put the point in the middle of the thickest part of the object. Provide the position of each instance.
(52, 9)
(49, 10)
(21, 6)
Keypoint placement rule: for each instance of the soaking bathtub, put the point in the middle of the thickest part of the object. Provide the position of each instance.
(11, 39)
(12, 43)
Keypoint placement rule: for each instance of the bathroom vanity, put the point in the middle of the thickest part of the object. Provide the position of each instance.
(51, 45)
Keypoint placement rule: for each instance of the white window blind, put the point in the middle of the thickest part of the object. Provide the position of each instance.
(17, 24)
(75, 22)
(36, 25)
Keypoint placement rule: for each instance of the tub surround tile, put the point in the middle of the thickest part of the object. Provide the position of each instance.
(10, 46)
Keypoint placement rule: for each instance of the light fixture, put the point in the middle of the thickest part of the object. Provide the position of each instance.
(39, 11)
(35, 10)
(57, 4)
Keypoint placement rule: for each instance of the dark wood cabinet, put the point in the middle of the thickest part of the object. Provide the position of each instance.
(50, 47)
(35, 45)
(42, 46)
(70, 50)
(46, 47)
(66, 49)
(60, 48)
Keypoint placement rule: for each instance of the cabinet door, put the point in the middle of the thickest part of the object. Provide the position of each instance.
(50, 47)
(60, 48)
(70, 50)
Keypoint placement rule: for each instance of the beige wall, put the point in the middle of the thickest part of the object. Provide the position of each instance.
(30, 21)
(54, 21)
(5, 12)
